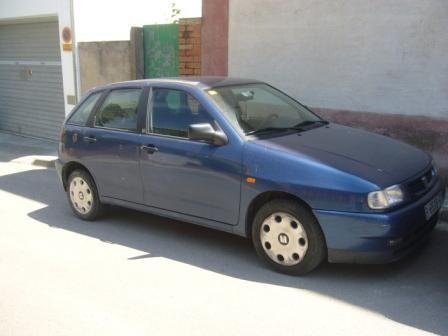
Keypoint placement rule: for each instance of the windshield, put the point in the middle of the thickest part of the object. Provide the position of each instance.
(253, 108)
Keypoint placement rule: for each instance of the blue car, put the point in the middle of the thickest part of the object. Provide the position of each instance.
(241, 156)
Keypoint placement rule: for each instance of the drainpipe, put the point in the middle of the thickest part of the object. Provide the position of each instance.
(75, 54)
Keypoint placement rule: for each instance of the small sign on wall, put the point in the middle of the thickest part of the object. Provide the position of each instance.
(67, 38)
(71, 99)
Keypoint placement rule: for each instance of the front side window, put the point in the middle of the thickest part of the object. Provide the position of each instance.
(82, 113)
(173, 111)
(257, 107)
(119, 110)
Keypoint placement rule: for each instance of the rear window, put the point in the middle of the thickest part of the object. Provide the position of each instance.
(82, 113)
(119, 110)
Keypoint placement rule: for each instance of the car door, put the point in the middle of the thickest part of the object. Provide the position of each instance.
(178, 174)
(112, 144)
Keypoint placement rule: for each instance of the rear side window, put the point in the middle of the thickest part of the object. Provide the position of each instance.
(82, 113)
(119, 110)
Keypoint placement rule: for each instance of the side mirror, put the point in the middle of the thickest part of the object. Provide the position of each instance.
(206, 132)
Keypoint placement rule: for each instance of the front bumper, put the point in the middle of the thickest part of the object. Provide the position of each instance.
(371, 238)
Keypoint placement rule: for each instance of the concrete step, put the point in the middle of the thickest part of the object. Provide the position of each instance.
(27, 150)
(46, 161)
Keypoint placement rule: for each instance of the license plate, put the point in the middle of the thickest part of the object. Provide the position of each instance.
(433, 206)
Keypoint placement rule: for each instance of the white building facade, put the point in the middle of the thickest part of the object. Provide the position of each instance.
(37, 66)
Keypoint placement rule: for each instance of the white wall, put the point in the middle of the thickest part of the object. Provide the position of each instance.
(11, 10)
(379, 56)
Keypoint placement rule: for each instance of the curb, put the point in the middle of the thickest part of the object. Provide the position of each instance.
(43, 163)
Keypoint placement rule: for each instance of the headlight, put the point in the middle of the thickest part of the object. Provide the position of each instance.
(386, 198)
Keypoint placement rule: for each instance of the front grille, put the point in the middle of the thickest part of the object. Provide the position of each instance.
(421, 184)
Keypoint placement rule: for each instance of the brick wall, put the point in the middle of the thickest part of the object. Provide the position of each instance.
(190, 46)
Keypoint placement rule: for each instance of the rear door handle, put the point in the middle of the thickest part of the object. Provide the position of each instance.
(149, 148)
(89, 139)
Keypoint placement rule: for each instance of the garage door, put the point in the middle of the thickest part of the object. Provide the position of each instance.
(31, 92)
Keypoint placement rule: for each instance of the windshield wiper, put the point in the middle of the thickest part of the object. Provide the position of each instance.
(299, 127)
(268, 129)
(307, 123)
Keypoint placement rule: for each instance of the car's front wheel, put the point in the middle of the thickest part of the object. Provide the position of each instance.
(288, 237)
(83, 195)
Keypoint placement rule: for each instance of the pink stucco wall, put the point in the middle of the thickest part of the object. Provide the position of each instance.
(214, 35)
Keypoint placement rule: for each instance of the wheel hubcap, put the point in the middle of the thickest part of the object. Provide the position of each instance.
(284, 239)
(81, 195)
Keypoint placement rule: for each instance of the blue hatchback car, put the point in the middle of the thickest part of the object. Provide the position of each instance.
(241, 156)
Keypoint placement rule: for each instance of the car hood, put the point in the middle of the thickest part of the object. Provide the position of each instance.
(376, 158)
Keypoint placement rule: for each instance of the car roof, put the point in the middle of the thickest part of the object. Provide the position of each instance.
(201, 82)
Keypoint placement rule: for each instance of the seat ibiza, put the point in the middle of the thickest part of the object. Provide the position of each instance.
(243, 157)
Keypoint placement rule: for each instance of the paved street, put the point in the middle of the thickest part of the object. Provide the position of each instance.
(136, 274)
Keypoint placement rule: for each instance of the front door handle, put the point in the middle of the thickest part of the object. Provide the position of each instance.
(149, 148)
(89, 139)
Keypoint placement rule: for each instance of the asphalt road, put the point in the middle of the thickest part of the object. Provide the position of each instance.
(136, 274)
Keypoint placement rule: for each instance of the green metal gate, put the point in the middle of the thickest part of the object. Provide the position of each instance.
(161, 50)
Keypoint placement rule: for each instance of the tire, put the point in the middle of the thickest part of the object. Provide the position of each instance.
(83, 196)
(287, 237)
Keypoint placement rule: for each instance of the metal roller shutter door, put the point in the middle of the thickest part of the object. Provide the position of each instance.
(31, 91)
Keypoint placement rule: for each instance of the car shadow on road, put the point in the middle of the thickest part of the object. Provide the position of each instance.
(413, 292)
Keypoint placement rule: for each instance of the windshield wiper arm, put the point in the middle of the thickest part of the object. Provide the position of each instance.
(299, 127)
(310, 123)
(268, 129)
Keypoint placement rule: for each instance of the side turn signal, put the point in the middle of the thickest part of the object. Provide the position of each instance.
(251, 180)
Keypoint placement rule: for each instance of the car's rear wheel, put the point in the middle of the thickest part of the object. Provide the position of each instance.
(287, 236)
(83, 195)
